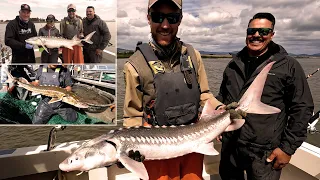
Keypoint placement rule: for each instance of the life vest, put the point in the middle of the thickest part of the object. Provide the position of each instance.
(170, 98)
(52, 78)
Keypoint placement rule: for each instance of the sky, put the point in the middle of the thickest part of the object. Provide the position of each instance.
(106, 9)
(220, 26)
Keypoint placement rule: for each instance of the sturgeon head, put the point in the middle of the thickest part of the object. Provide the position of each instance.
(35, 41)
(95, 153)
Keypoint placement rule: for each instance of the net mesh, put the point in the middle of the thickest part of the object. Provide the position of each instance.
(15, 111)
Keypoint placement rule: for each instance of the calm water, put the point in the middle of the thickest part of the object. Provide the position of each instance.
(214, 70)
(23, 136)
(111, 25)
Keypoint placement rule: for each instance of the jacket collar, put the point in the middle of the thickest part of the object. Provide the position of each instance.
(278, 53)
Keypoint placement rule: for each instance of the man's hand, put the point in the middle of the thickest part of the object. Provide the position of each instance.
(99, 52)
(280, 158)
(68, 88)
(35, 83)
(219, 138)
(4, 89)
(29, 46)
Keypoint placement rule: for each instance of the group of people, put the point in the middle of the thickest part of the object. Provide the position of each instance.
(46, 75)
(161, 87)
(21, 28)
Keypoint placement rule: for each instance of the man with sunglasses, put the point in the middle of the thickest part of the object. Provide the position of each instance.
(51, 31)
(265, 143)
(17, 31)
(93, 52)
(70, 27)
(166, 84)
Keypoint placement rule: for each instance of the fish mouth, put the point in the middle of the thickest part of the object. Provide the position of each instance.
(28, 41)
(68, 166)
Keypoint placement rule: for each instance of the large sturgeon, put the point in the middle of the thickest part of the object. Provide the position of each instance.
(56, 42)
(166, 142)
(57, 93)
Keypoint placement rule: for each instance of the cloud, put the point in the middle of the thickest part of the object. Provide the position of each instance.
(121, 14)
(106, 9)
(213, 25)
(138, 22)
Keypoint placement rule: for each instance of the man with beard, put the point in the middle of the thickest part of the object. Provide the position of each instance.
(265, 143)
(17, 31)
(93, 52)
(70, 27)
(166, 84)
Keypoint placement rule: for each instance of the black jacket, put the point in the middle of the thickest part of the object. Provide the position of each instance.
(16, 34)
(286, 88)
(102, 35)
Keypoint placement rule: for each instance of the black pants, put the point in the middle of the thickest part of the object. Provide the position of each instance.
(45, 111)
(51, 57)
(90, 56)
(235, 159)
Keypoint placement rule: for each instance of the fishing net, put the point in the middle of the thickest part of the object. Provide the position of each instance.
(15, 111)
(97, 99)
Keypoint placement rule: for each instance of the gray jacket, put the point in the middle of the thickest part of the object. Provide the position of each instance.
(71, 27)
(102, 35)
(45, 31)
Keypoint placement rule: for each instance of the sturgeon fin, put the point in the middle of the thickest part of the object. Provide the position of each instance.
(207, 149)
(250, 101)
(69, 47)
(134, 166)
(44, 47)
(261, 108)
(75, 38)
(53, 100)
(236, 124)
(209, 110)
(23, 80)
(34, 94)
(88, 37)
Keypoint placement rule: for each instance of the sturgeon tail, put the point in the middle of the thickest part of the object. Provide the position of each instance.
(250, 102)
(88, 37)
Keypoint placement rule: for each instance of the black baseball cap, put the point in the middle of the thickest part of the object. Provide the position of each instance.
(25, 7)
(50, 17)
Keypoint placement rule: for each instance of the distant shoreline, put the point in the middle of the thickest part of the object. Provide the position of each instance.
(45, 22)
(204, 56)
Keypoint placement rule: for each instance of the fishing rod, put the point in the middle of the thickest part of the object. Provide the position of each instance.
(315, 118)
(309, 75)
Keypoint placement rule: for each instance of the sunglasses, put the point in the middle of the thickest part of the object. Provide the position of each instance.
(158, 17)
(71, 10)
(261, 31)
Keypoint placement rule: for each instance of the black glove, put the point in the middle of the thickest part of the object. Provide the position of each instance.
(135, 155)
(239, 114)
(83, 42)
